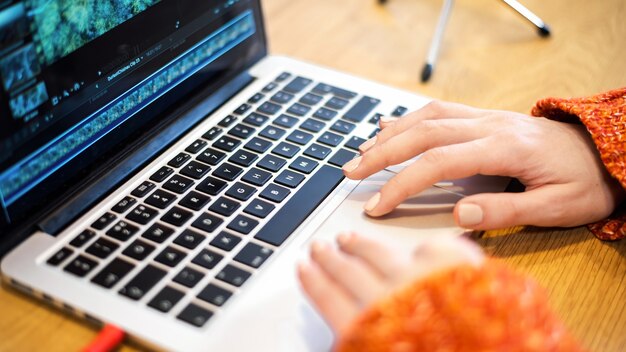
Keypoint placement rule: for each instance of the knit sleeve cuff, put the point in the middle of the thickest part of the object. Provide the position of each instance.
(604, 116)
(487, 308)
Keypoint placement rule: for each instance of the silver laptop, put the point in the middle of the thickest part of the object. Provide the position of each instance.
(160, 172)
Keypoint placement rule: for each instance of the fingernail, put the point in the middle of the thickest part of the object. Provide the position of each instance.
(352, 165)
(367, 144)
(387, 119)
(372, 203)
(470, 215)
(343, 239)
(317, 247)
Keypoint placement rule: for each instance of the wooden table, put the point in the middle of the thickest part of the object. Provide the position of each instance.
(490, 58)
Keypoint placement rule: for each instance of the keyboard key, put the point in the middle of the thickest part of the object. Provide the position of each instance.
(195, 315)
(170, 256)
(188, 277)
(271, 132)
(165, 300)
(313, 125)
(256, 98)
(256, 177)
(215, 295)
(342, 157)
(227, 143)
(243, 158)
(139, 250)
(195, 170)
(258, 145)
(115, 271)
(343, 127)
(375, 132)
(196, 146)
(325, 114)
(269, 108)
(297, 85)
(300, 137)
(241, 191)
(304, 165)
(298, 208)
(242, 109)
(242, 131)
(211, 185)
(224, 206)
(122, 231)
(178, 184)
(270, 87)
(158, 233)
(289, 178)
(253, 255)
(161, 174)
(189, 239)
(104, 221)
(177, 216)
(311, 99)
(212, 133)
(143, 282)
(285, 121)
(282, 77)
(207, 222)
(233, 275)
(298, 109)
(143, 189)
(330, 139)
(275, 193)
(272, 163)
(336, 103)
(255, 119)
(227, 121)
(259, 208)
(399, 111)
(375, 119)
(82, 238)
(211, 156)
(60, 256)
(323, 88)
(123, 205)
(207, 259)
(282, 97)
(243, 224)
(361, 109)
(354, 143)
(142, 214)
(80, 266)
(180, 159)
(227, 171)
(286, 150)
(194, 200)
(160, 199)
(225, 241)
(317, 151)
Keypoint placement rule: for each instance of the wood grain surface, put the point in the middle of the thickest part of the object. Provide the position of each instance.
(490, 58)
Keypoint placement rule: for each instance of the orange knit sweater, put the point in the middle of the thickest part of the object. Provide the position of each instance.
(491, 308)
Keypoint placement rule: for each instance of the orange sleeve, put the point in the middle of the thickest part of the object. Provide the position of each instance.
(604, 115)
(489, 308)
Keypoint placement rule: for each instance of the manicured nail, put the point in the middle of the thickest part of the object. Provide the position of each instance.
(470, 215)
(372, 203)
(343, 239)
(367, 144)
(352, 165)
(387, 119)
(317, 247)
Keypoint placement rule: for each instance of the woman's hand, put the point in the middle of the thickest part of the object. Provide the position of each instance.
(342, 282)
(566, 183)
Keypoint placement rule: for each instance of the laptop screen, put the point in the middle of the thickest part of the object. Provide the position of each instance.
(77, 76)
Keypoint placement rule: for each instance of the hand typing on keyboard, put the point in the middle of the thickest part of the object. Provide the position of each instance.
(566, 182)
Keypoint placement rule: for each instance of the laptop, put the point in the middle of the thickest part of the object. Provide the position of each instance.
(161, 172)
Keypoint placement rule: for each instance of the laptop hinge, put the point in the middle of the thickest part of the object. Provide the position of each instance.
(189, 115)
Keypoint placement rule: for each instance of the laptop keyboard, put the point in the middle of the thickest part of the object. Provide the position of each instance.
(221, 207)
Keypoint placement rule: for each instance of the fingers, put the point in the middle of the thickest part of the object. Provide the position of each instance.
(443, 163)
(350, 273)
(335, 305)
(381, 258)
